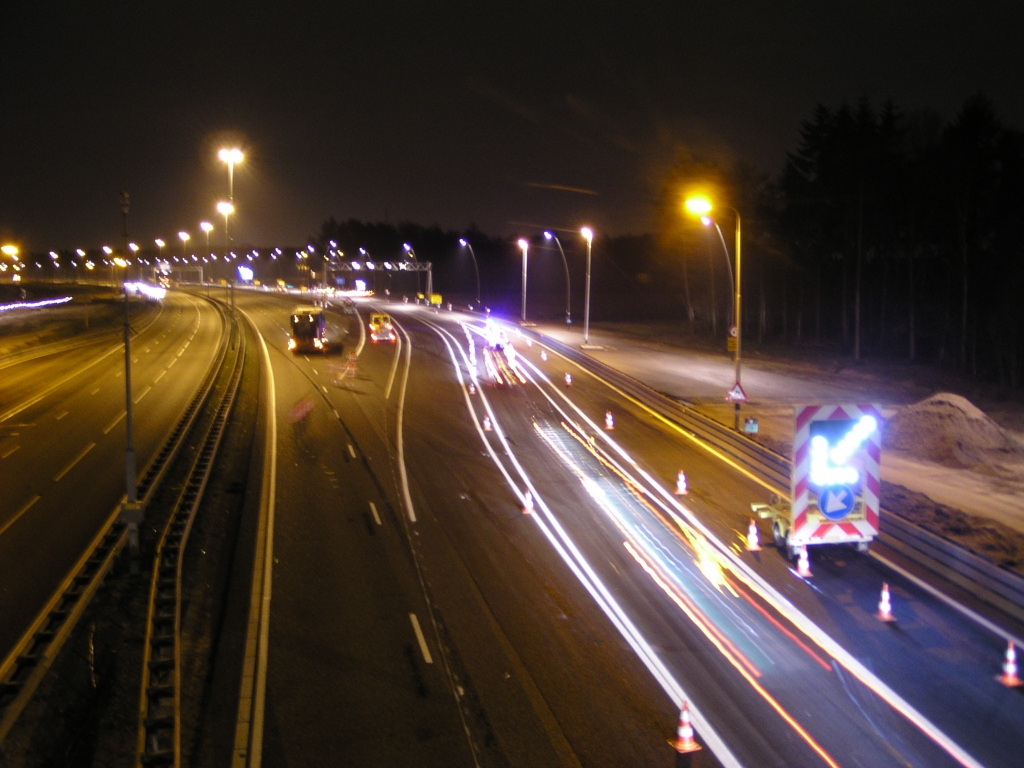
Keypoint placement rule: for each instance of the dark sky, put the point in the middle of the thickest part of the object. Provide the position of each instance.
(445, 113)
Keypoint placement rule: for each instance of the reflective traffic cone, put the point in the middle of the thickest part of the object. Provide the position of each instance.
(753, 545)
(1009, 678)
(885, 605)
(529, 343)
(609, 421)
(472, 388)
(681, 489)
(543, 355)
(803, 565)
(684, 735)
(487, 423)
(568, 379)
(527, 503)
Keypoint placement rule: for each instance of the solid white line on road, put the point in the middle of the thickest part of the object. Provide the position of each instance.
(159, 375)
(74, 461)
(420, 638)
(173, 361)
(18, 514)
(144, 393)
(95, 391)
(114, 423)
(394, 366)
(351, 450)
(376, 517)
(60, 415)
(403, 476)
(9, 451)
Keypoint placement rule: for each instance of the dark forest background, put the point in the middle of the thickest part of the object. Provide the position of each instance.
(886, 234)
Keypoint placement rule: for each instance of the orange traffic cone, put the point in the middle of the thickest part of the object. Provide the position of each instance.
(885, 605)
(472, 388)
(803, 564)
(1009, 678)
(684, 735)
(568, 379)
(681, 489)
(609, 422)
(527, 503)
(753, 545)
(487, 423)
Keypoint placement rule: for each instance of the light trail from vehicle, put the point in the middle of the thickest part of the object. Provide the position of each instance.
(34, 304)
(687, 523)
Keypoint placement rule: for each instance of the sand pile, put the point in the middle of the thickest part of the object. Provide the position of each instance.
(949, 430)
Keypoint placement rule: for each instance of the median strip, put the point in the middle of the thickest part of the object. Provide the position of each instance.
(74, 461)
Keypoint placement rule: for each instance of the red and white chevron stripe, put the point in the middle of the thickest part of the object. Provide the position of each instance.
(809, 525)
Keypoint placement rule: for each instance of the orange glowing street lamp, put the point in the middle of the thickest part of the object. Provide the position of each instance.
(700, 206)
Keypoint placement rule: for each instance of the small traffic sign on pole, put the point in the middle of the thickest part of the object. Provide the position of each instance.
(736, 394)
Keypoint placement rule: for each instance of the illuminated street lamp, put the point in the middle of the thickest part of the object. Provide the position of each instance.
(588, 235)
(700, 205)
(160, 248)
(184, 237)
(231, 156)
(526, 247)
(568, 306)
(207, 227)
(476, 267)
(10, 250)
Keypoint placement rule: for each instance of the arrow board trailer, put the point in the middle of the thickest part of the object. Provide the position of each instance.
(836, 479)
(308, 330)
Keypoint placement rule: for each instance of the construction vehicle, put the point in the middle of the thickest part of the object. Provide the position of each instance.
(381, 327)
(308, 330)
(835, 482)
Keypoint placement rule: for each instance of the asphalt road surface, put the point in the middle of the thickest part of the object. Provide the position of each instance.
(62, 440)
(419, 617)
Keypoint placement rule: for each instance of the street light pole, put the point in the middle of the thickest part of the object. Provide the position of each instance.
(476, 267)
(701, 206)
(588, 233)
(131, 512)
(568, 305)
(526, 247)
(230, 156)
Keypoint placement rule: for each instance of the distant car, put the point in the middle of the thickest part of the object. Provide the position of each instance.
(381, 327)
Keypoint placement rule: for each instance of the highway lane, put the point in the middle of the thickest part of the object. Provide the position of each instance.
(760, 737)
(355, 675)
(936, 651)
(542, 671)
(62, 455)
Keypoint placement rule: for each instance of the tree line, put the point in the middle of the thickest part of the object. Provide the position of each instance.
(885, 234)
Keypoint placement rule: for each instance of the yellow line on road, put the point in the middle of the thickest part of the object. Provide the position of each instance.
(74, 461)
(19, 513)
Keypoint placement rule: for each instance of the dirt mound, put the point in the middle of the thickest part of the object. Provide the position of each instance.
(948, 429)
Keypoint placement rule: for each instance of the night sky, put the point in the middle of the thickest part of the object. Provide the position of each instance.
(446, 113)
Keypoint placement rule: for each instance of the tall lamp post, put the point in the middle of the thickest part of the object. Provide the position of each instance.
(568, 305)
(588, 234)
(207, 227)
(476, 267)
(526, 247)
(230, 156)
(131, 512)
(701, 206)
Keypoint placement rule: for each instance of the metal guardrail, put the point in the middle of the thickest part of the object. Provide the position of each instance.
(159, 741)
(996, 586)
(23, 669)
